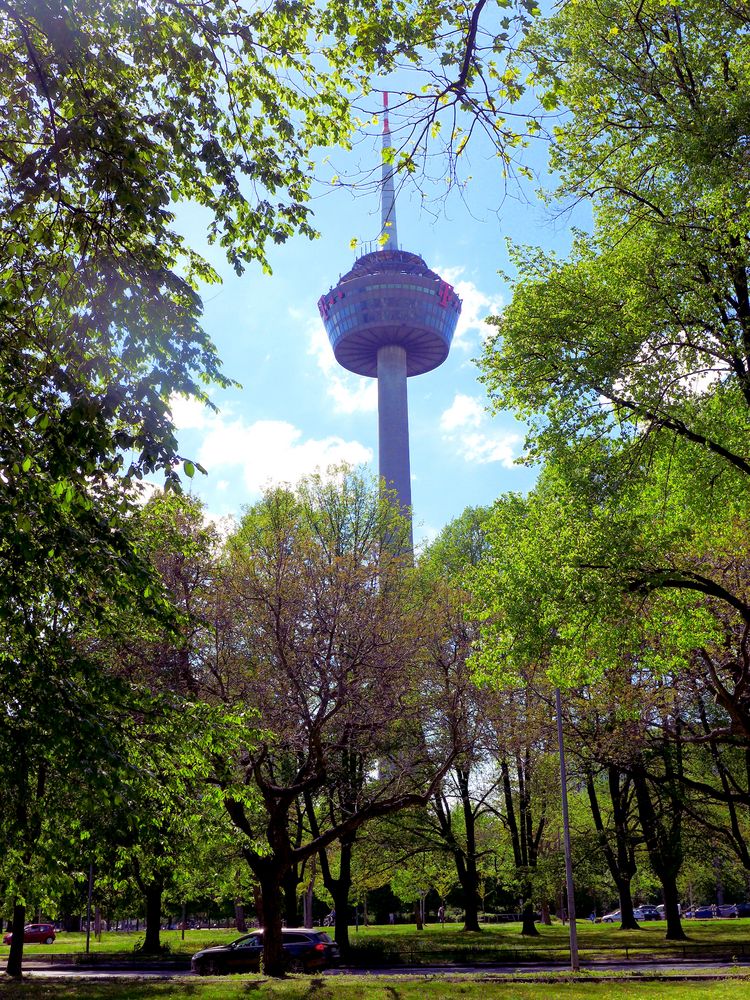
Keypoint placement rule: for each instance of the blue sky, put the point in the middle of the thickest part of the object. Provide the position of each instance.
(298, 410)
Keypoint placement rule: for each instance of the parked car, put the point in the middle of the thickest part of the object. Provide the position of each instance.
(305, 950)
(612, 918)
(34, 934)
(661, 910)
(706, 912)
(743, 909)
(646, 912)
(727, 910)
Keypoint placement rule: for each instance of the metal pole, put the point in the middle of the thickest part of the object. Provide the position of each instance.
(88, 907)
(574, 965)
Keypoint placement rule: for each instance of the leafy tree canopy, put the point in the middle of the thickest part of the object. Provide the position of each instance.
(610, 564)
(646, 325)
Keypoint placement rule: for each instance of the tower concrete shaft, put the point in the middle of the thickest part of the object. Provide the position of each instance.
(393, 427)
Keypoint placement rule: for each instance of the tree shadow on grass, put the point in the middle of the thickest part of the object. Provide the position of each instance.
(37, 988)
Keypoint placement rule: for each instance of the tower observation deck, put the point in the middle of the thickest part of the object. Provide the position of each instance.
(391, 317)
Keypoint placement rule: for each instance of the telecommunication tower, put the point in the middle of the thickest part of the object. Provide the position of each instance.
(389, 318)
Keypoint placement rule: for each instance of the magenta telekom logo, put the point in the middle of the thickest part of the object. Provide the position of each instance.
(445, 294)
(326, 301)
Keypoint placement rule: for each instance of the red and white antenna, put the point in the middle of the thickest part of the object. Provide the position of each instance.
(388, 232)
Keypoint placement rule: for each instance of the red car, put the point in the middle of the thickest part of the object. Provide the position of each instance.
(34, 934)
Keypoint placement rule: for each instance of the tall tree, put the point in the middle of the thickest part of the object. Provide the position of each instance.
(630, 358)
(323, 640)
(646, 327)
(524, 738)
(600, 721)
(63, 722)
(462, 713)
(551, 593)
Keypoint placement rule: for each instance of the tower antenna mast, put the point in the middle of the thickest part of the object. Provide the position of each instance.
(388, 231)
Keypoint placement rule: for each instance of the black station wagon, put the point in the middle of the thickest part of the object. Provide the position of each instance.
(305, 951)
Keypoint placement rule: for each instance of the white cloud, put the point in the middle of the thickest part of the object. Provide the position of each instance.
(354, 394)
(320, 347)
(266, 451)
(485, 448)
(274, 451)
(190, 414)
(464, 411)
(468, 430)
(350, 393)
(476, 307)
(424, 535)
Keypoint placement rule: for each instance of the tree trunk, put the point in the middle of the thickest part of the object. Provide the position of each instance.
(239, 917)
(273, 944)
(307, 898)
(471, 902)
(546, 918)
(672, 909)
(470, 881)
(291, 903)
(466, 868)
(307, 906)
(258, 899)
(15, 956)
(664, 846)
(418, 916)
(340, 888)
(528, 926)
(621, 861)
(152, 942)
(627, 917)
(525, 844)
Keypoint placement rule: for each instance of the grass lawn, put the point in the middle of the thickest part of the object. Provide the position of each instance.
(504, 942)
(369, 988)
(401, 943)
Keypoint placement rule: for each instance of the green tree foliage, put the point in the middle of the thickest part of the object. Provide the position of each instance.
(165, 802)
(113, 113)
(62, 727)
(557, 596)
(610, 564)
(462, 715)
(630, 359)
(57, 734)
(320, 631)
(646, 327)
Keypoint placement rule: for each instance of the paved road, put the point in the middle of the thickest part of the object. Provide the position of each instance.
(76, 972)
(686, 969)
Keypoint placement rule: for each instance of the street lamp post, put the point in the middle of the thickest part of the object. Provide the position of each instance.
(574, 965)
(88, 907)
